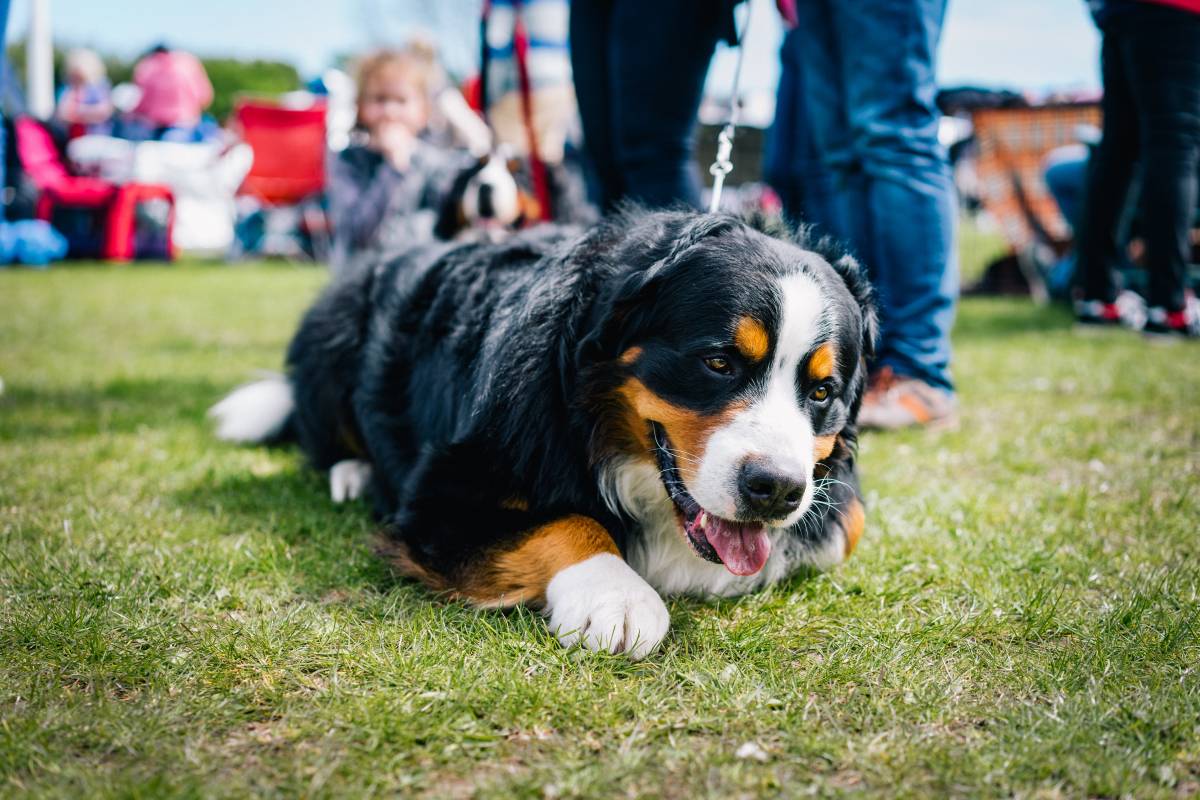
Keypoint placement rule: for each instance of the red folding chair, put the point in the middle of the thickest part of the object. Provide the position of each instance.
(289, 160)
(289, 150)
(58, 188)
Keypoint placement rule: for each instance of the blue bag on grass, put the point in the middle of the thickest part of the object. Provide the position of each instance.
(30, 241)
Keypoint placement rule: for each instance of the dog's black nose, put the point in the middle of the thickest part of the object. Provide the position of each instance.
(769, 491)
(487, 208)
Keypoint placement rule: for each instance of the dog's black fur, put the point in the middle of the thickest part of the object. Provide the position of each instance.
(471, 375)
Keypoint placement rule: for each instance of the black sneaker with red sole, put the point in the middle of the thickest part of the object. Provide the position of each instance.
(1184, 323)
(1128, 310)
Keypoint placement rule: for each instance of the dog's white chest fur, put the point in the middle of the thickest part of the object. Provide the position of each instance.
(661, 556)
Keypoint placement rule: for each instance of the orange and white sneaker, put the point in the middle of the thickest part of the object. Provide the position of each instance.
(894, 401)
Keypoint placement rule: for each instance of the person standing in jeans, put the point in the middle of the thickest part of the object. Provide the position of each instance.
(1150, 64)
(875, 176)
(639, 73)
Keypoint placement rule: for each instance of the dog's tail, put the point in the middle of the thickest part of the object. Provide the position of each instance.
(256, 412)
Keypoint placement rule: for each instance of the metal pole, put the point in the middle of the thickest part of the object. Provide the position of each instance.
(39, 61)
(4, 77)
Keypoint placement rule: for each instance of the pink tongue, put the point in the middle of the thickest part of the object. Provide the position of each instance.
(742, 548)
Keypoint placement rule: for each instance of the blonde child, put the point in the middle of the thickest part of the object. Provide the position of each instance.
(385, 188)
(84, 105)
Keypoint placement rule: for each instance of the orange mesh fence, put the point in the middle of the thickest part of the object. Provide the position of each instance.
(1012, 144)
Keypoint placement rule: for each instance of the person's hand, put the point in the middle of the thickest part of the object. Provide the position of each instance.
(395, 142)
(68, 108)
(94, 114)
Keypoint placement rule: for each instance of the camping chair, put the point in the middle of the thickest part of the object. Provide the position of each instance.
(57, 188)
(289, 161)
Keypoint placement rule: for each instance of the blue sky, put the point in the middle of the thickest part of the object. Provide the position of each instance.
(1027, 44)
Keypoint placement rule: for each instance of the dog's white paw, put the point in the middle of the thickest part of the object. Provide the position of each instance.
(349, 479)
(603, 604)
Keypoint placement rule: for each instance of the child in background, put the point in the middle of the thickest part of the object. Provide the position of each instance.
(84, 105)
(385, 188)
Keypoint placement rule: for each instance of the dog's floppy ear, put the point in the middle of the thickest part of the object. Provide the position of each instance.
(645, 256)
(855, 278)
(665, 249)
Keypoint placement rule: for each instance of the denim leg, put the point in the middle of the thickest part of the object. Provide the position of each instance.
(1066, 181)
(1162, 52)
(590, 28)
(1110, 174)
(658, 61)
(888, 49)
(912, 246)
(787, 138)
(834, 189)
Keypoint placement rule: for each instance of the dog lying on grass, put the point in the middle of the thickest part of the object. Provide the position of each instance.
(581, 421)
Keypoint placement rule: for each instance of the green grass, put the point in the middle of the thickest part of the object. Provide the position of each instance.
(977, 248)
(179, 617)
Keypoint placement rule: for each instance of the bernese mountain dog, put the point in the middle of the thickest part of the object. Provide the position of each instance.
(485, 199)
(587, 420)
(490, 198)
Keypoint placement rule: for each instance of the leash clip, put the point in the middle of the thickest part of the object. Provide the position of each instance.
(723, 164)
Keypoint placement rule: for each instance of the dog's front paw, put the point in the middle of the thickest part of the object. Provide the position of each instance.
(349, 479)
(603, 604)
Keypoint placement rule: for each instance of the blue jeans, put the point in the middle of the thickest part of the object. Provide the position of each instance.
(1067, 181)
(874, 174)
(639, 74)
(788, 154)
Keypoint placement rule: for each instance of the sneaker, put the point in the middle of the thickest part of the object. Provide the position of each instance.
(895, 401)
(1127, 311)
(1185, 322)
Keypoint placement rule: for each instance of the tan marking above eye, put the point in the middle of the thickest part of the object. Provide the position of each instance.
(822, 362)
(631, 355)
(751, 339)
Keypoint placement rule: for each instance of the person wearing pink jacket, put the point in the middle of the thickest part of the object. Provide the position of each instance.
(175, 91)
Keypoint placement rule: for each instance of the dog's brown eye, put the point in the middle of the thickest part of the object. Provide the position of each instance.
(719, 365)
(820, 394)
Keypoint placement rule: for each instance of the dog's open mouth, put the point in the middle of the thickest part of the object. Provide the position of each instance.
(742, 547)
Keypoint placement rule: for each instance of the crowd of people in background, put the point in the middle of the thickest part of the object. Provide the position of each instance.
(165, 101)
(854, 150)
(864, 130)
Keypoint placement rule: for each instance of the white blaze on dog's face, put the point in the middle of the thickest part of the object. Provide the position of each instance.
(491, 198)
(768, 446)
(744, 367)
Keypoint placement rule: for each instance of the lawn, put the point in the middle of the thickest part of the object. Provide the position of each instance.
(179, 617)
